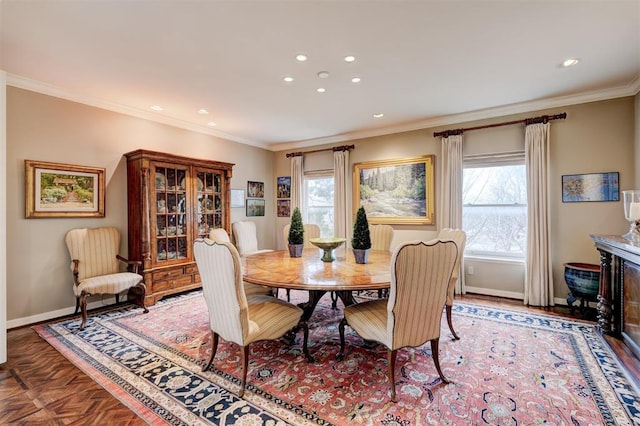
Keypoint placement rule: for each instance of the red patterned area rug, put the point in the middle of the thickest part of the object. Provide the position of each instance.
(509, 368)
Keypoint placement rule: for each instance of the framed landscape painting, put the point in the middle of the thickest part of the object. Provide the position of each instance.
(63, 190)
(396, 191)
(255, 207)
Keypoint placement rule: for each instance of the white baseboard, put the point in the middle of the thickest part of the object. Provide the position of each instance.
(494, 292)
(508, 294)
(46, 316)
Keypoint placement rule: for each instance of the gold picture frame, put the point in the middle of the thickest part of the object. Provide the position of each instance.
(398, 191)
(63, 190)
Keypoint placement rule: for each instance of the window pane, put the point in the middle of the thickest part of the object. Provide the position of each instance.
(494, 213)
(319, 203)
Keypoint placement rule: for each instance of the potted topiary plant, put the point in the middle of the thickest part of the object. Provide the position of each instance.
(361, 241)
(296, 234)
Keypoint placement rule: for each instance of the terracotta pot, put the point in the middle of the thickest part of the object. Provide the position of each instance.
(295, 250)
(361, 256)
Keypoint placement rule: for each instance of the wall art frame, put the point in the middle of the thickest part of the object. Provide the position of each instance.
(284, 208)
(255, 189)
(400, 191)
(54, 190)
(590, 187)
(236, 198)
(255, 207)
(283, 185)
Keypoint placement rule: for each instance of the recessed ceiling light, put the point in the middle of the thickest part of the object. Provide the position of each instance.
(156, 107)
(379, 115)
(349, 58)
(323, 74)
(212, 123)
(320, 90)
(301, 57)
(355, 80)
(288, 79)
(569, 62)
(203, 111)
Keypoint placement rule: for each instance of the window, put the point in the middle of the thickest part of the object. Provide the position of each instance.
(494, 211)
(318, 208)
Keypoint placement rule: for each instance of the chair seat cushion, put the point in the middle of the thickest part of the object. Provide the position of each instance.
(369, 320)
(271, 319)
(107, 284)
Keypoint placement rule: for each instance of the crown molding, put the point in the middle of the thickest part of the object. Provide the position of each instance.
(630, 89)
(48, 89)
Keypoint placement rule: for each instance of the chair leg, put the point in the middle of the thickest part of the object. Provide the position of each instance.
(83, 309)
(391, 361)
(343, 322)
(288, 295)
(455, 336)
(117, 297)
(436, 359)
(334, 300)
(214, 349)
(137, 293)
(244, 354)
(77, 305)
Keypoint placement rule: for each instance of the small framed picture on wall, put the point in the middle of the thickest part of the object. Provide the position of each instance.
(255, 207)
(284, 187)
(284, 208)
(255, 189)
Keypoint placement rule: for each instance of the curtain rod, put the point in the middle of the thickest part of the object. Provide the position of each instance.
(334, 149)
(526, 121)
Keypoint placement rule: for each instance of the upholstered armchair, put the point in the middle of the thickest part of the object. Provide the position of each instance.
(245, 237)
(459, 237)
(420, 274)
(95, 264)
(230, 315)
(254, 292)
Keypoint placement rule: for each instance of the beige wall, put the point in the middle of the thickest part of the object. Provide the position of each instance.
(595, 137)
(45, 128)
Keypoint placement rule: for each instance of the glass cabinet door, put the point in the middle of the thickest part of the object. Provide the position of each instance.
(209, 201)
(170, 212)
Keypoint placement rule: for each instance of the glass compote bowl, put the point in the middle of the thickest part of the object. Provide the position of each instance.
(327, 244)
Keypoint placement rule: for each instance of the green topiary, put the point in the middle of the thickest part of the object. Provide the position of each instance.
(296, 230)
(361, 237)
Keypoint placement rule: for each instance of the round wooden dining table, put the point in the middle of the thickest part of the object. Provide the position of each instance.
(277, 269)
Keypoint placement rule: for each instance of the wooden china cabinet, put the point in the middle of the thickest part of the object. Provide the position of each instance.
(173, 200)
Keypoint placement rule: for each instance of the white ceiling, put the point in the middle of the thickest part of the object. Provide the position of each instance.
(421, 62)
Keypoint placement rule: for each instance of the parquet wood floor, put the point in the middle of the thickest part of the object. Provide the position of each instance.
(38, 386)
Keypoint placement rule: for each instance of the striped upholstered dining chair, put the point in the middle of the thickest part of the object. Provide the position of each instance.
(381, 237)
(255, 293)
(459, 237)
(96, 267)
(230, 315)
(420, 274)
(311, 230)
